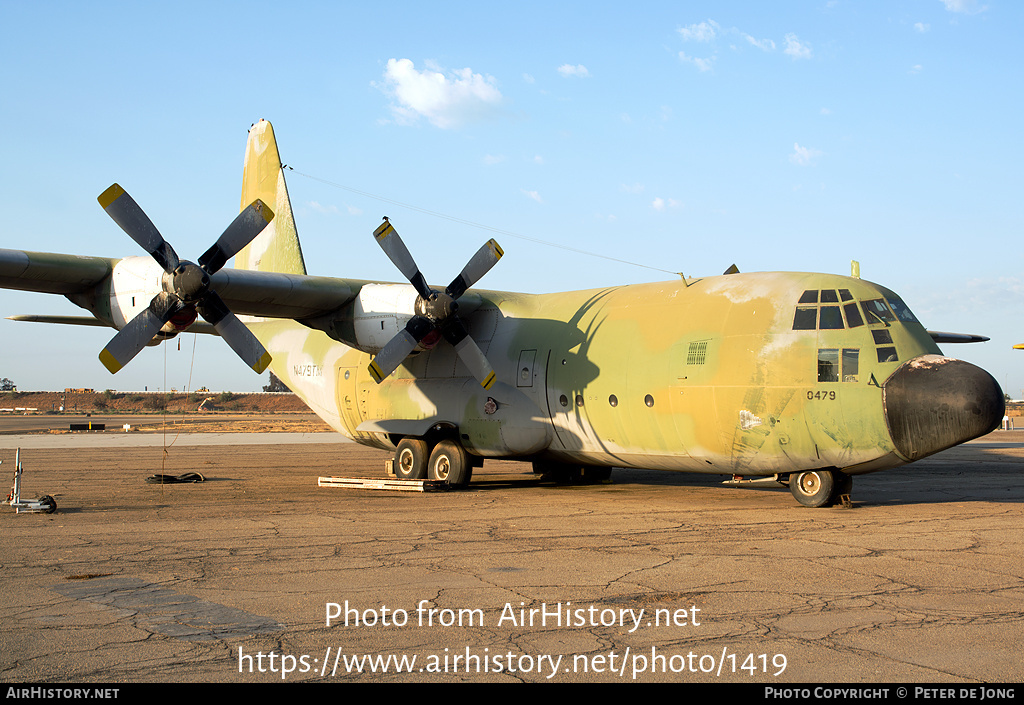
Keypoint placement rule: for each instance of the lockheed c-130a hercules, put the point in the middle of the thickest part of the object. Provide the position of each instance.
(801, 378)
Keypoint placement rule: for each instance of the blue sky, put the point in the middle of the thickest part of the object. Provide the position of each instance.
(683, 136)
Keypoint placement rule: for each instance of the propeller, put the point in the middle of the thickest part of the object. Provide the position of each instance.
(186, 284)
(435, 311)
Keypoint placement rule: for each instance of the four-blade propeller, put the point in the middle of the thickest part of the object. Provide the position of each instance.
(186, 284)
(435, 311)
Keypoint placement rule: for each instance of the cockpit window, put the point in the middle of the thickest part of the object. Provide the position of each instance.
(830, 319)
(876, 312)
(806, 318)
(845, 295)
(809, 297)
(902, 312)
(853, 318)
(828, 296)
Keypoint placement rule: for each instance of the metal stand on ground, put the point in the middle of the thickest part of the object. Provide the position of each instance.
(44, 504)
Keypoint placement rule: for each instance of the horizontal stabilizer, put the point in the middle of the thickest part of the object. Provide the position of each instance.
(63, 320)
(197, 327)
(941, 337)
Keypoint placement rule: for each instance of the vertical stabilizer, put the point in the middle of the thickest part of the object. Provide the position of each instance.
(276, 249)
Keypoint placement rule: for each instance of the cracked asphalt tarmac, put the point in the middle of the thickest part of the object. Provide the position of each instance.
(231, 580)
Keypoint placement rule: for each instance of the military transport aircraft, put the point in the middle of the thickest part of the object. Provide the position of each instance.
(804, 379)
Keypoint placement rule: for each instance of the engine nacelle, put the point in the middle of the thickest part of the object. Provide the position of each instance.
(133, 284)
(379, 312)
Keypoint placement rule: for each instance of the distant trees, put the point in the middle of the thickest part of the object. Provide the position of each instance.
(7, 385)
(276, 385)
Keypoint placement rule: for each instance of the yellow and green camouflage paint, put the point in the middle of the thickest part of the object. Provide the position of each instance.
(704, 375)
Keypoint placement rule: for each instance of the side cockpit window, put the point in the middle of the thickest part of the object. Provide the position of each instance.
(877, 312)
(900, 309)
(836, 365)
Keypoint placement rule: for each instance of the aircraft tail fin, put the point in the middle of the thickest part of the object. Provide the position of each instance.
(277, 248)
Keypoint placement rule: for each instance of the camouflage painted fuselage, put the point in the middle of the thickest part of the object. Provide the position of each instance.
(747, 374)
(706, 375)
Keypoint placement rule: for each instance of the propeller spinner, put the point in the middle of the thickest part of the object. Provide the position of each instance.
(186, 284)
(436, 311)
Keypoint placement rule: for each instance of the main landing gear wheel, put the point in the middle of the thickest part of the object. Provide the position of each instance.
(411, 458)
(819, 488)
(449, 463)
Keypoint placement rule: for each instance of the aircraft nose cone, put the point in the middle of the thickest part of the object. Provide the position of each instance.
(934, 402)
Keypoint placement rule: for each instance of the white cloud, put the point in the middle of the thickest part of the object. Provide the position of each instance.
(660, 204)
(796, 48)
(528, 78)
(537, 159)
(703, 32)
(762, 44)
(826, 111)
(635, 188)
(967, 7)
(803, 156)
(532, 194)
(324, 210)
(916, 68)
(493, 159)
(922, 27)
(702, 64)
(578, 71)
(446, 100)
(332, 210)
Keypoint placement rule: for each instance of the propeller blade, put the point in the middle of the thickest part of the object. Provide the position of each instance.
(243, 230)
(454, 331)
(473, 357)
(124, 211)
(398, 348)
(389, 241)
(481, 263)
(131, 339)
(234, 332)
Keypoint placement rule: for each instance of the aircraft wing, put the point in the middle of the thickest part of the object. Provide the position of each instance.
(274, 295)
(246, 292)
(52, 273)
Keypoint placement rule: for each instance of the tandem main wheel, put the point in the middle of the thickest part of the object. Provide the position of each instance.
(819, 488)
(450, 463)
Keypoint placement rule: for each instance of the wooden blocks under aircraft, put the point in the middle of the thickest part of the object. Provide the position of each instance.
(376, 483)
